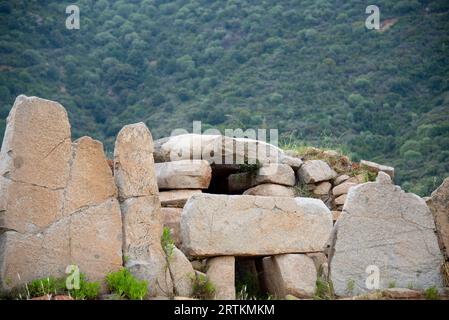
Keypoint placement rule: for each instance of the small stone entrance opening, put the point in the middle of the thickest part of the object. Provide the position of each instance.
(219, 181)
(249, 282)
(242, 179)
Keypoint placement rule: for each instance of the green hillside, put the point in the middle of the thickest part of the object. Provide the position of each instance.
(308, 68)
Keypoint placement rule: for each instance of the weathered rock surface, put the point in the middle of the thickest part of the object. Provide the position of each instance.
(57, 199)
(276, 173)
(183, 174)
(294, 162)
(34, 164)
(271, 190)
(182, 272)
(377, 167)
(342, 188)
(220, 150)
(402, 293)
(37, 144)
(221, 272)
(290, 274)
(91, 180)
(281, 174)
(172, 220)
(140, 206)
(322, 188)
(134, 171)
(383, 226)
(313, 171)
(340, 179)
(341, 199)
(176, 198)
(439, 204)
(142, 226)
(95, 239)
(215, 225)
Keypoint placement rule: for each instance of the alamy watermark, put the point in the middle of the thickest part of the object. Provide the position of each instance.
(373, 20)
(73, 20)
(72, 282)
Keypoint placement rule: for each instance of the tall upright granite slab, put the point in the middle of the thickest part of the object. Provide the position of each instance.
(58, 201)
(384, 229)
(135, 177)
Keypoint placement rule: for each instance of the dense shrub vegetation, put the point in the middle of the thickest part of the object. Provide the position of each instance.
(308, 68)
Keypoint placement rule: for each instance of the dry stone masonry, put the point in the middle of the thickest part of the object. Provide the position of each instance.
(234, 206)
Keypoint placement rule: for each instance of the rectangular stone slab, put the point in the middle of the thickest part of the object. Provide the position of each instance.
(240, 225)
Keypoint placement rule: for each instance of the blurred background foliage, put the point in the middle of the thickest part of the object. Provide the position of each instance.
(309, 68)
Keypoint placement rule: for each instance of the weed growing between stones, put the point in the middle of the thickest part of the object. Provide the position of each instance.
(251, 168)
(247, 287)
(44, 286)
(52, 286)
(243, 294)
(203, 288)
(432, 293)
(350, 284)
(323, 290)
(168, 245)
(302, 190)
(167, 242)
(125, 285)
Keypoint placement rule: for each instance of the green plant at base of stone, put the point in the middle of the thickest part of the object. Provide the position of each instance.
(246, 167)
(124, 284)
(87, 290)
(432, 293)
(203, 288)
(168, 245)
(57, 286)
(167, 242)
(323, 290)
(302, 190)
(43, 286)
(243, 294)
(247, 285)
(350, 287)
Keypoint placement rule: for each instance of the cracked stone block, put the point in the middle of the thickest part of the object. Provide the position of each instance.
(57, 199)
(293, 274)
(219, 225)
(141, 209)
(183, 174)
(280, 174)
(221, 273)
(134, 170)
(313, 171)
